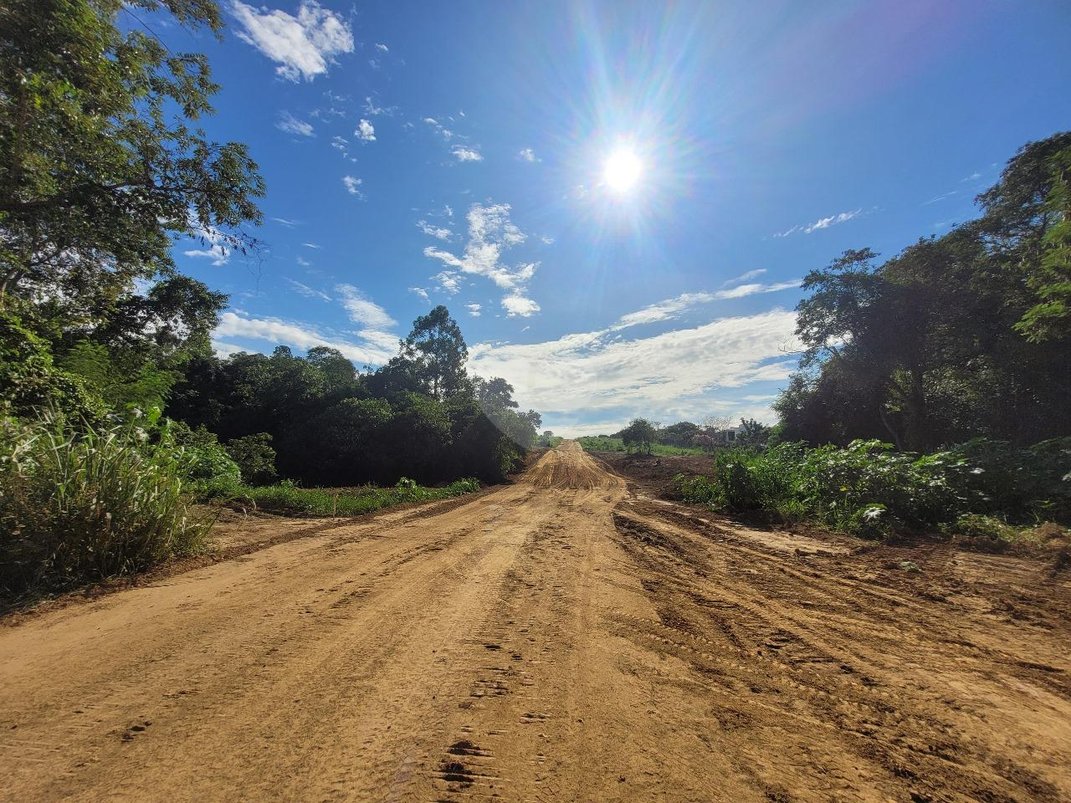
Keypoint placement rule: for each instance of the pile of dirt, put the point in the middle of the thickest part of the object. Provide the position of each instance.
(652, 475)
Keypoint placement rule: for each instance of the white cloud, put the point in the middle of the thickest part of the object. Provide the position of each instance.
(362, 310)
(743, 277)
(216, 241)
(311, 245)
(448, 281)
(673, 307)
(517, 305)
(600, 372)
(491, 232)
(302, 46)
(276, 331)
(527, 155)
(292, 125)
(438, 232)
(466, 154)
(303, 262)
(382, 47)
(421, 292)
(474, 310)
(371, 109)
(284, 222)
(308, 292)
(822, 223)
(353, 185)
(365, 131)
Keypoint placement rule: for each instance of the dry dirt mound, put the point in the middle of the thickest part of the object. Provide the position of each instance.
(554, 639)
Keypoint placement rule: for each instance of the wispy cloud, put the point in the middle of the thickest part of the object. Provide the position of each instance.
(420, 292)
(449, 281)
(474, 310)
(491, 232)
(302, 46)
(365, 131)
(439, 232)
(308, 292)
(286, 222)
(374, 110)
(353, 185)
(362, 310)
(464, 153)
(672, 308)
(942, 197)
(217, 242)
(822, 223)
(527, 155)
(292, 125)
(382, 47)
(743, 277)
(311, 245)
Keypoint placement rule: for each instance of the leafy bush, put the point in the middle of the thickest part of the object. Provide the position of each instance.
(868, 488)
(201, 457)
(82, 505)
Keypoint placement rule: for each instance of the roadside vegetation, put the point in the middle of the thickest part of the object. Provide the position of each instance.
(611, 443)
(980, 488)
(115, 412)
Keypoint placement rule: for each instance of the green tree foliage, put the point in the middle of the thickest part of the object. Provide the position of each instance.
(100, 158)
(955, 337)
(435, 353)
(255, 458)
(640, 434)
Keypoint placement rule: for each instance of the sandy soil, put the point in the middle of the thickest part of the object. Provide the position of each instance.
(561, 638)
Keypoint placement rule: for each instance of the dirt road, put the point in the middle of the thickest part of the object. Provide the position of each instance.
(557, 639)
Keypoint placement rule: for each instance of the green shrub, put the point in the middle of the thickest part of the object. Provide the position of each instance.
(202, 460)
(869, 489)
(82, 505)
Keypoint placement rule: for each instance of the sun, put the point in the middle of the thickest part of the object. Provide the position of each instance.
(622, 170)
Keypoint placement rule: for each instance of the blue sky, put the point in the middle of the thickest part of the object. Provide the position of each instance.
(419, 153)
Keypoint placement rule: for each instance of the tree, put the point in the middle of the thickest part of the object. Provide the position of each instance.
(436, 352)
(100, 160)
(640, 433)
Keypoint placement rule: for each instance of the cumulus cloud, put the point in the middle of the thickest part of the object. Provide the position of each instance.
(373, 110)
(365, 132)
(491, 232)
(292, 125)
(302, 46)
(353, 185)
(603, 373)
(517, 305)
(273, 331)
(465, 154)
(821, 223)
(382, 47)
(474, 310)
(362, 310)
(527, 155)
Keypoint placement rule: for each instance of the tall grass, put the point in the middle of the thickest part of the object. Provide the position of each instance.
(83, 504)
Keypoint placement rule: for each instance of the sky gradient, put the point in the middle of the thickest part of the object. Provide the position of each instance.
(420, 153)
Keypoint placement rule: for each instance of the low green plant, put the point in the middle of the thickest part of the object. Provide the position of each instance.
(290, 499)
(83, 503)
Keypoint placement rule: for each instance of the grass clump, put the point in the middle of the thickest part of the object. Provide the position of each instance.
(80, 504)
(290, 499)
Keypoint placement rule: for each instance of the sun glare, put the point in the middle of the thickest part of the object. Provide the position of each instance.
(622, 170)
